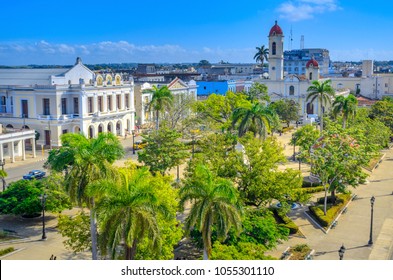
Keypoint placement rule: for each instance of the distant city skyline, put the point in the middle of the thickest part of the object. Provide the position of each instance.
(47, 32)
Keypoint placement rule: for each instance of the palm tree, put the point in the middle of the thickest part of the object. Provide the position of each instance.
(215, 202)
(347, 106)
(128, 212)
(261, 54)
(259, 118)
(85, 161)
(162, 98)
(323, 92)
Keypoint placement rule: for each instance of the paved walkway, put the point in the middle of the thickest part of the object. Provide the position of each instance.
(353, 229)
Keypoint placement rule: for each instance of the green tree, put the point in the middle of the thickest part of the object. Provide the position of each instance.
(77, 231)
(383, 111)
(337, 160)
(128, 210)
(22, 197)
(214, 202)
(260, 181)
(162, 99)
(241, 251)
(257, 118)
(346, 106)
(262, 54)
(305, 137)
(84, 162)
(258, 92)
(164, 150)
(323, 92)
(217, 110)
(287, 110)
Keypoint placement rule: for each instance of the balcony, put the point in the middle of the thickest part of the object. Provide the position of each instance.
(58, 117)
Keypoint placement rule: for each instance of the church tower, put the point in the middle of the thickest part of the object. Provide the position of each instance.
(312, 70)
(276, 53)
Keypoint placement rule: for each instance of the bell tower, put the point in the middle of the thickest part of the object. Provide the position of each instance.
(276, 53)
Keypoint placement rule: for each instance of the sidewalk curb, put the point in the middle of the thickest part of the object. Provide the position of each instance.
(12, 253)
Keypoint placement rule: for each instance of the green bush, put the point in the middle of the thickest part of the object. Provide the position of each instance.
(285, 221)
(331, 212)
(286, 129)
(6, 251)
(311, 190)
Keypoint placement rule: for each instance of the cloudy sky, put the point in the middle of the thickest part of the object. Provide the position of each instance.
(56, 32)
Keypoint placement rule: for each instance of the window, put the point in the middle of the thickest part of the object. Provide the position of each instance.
(46, 106)
(127, 100)
(90, 105)
(310, 76)
(99, 103)
(118, 101)
(109, 103)
(274, 47)
(386, 84)
(76, 105)
(65, 131)
(25, 109)
(291, 90)
(64, 106)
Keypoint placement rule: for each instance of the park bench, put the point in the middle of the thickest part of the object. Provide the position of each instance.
(354, 197)
(334, 224)
(345, 210)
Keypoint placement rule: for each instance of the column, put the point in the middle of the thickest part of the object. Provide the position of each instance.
(123, 101)
(104, 102)
(33, 146)
(23, 150)
(95, 103)
(82, 105)
(114, 104)
(1, 152)
(12, 152)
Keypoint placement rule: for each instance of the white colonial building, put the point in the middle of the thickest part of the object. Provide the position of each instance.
(60, 100)
(143, 97)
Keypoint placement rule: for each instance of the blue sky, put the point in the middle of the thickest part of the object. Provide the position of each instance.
(56, 32)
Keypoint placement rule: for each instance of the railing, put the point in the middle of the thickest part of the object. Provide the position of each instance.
(58, 117)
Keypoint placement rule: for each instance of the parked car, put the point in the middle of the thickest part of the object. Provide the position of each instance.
(34, 174)
(139, 144)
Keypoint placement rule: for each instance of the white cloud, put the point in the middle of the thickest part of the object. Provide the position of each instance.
(43, 52)
(306, 9)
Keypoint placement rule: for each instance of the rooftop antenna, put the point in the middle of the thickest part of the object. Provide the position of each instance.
(302, 42)
(290, 39)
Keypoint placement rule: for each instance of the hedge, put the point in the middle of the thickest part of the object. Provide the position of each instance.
(331, 212)
(311, 190)
(285, 221)
(6, 251)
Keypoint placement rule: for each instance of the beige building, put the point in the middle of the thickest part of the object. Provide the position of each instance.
(57, 101)
(15, 142)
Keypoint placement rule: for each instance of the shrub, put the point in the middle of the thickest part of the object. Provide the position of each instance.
(285, 221)
(6, 251)
(331, 212)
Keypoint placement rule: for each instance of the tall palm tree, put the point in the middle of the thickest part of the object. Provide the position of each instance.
(162, 98)
(261, 54)
(258, 118)
(128, 211)
(85, 161)
(323, 92)
(346, 106)
(214, 202)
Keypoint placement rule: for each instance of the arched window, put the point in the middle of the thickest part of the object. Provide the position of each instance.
(274, 47)
(291, 90)
(310, 76)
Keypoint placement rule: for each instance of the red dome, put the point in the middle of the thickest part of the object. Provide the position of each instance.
(275, 30)
(312, 62)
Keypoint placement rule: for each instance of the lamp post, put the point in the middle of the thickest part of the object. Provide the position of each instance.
(341, 252)
(43, 200)
(294, 145)
(133, 142)
(2, 163)
(372, 200)
(193, 145)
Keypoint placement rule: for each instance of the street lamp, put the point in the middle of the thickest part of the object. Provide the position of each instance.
(341, 252)
(43, 200)
(133, 142)
(294, 145)
(372, 200)
(193, 145)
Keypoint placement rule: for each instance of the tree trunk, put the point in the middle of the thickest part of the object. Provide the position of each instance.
(93, 231)
(325, 200)
(344, 121)
(333, 197)
(321, 117)
(205, 256)
(131, 250)
(157, 119)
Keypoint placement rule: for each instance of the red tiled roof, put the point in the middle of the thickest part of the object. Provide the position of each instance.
(312, 62)
(275, 30)
(365, 102)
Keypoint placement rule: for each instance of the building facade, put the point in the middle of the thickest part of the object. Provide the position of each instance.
(295, 60)
(58, 101)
